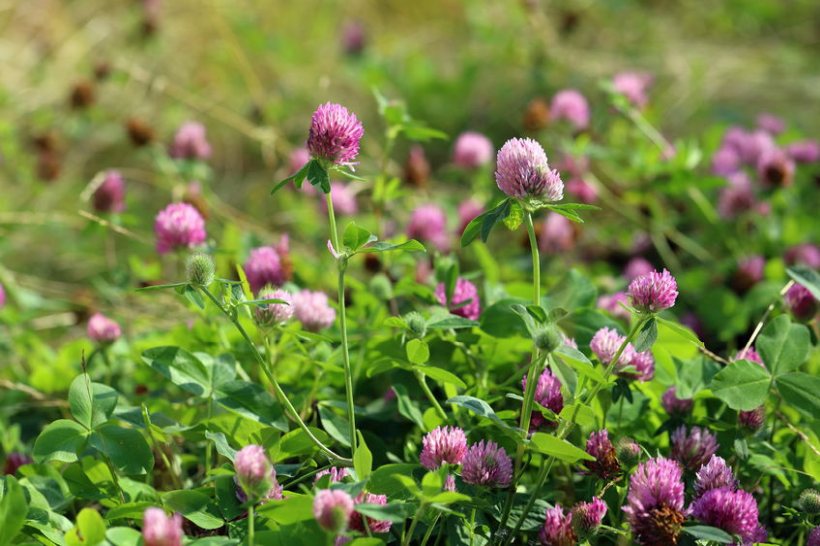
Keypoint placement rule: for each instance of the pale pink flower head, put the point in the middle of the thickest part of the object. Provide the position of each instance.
(547, 394)
(268, 265)
(637, 267)
(375, 525)
(693, 448)
(312, 310)
(336, 473)
(255, 474)
(522, 171)
(770, 123)
(443, 445)
(748, 354)
(674, 406)
(713, 475)
(335, 134)
(343, 198)
(804, 151)
(775, 167)
(801, 302)
(428, 224)
(190, 142)
(653, 292)
(110, 195)
(570, 105)
(584, 191)
(605, 344)
(557, 529)
(467, 212)
(605, 465)
(488, 464)
(298, 159)
(102, 329)
(2, 296)
(634, 86)
(654, 506)
(472, 150)
(332, 509)
(159, 529)
(733, 510)
(614, 305)
(588, 516)
(726, 161)
(806, 254)
(179, 226)
(271, 314)
(464, 301)
(641, 367)
(557, 234)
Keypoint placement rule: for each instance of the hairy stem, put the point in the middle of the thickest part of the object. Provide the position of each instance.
(430, 396)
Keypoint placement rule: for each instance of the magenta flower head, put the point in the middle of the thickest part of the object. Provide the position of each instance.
(375, 525)
(268, 265)
(254, 472)
(714, 475)
(443, 445)
(637, 267)
(748, 354)
(336, 473)
(570, 105)
(605, 344)
(110, 195)
(614, 305)
(298, 158)
(178, 226)
(522, 171)
(726, 161)
(734, 511)
(752, 420)
(190, 142)
(653, 292)
(814, 537)
(694, 448)
(674, 406)
(332, 510)
(775, 167)
(464, 301)
(312, 310)
(486, 463)
(14, 461)
(587, 517)
(472, 150)
(428, 223)
(335, 133)
(806, 254)
(557, 234)
(605, 465)
(467, 211)
(161, 530)
(2, 296)
(628, 450)
(102, 329)
(770, 123)
(641, 367)
(354, 37)
(548, 394)
(655, 502)
(804, 151)
(584, 191)
(557, 529)
(801, 302)
(634, 86)
(271, 314)
(749, 272)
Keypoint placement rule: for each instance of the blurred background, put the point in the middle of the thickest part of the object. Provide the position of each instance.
(91, 85)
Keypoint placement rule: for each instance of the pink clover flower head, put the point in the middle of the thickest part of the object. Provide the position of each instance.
(464, 301)
(733, 510)
(335, 134)
(674, 406)
(179, 226)
(312, 310)
(547, 394)
(375, 525)
(714, 475)
(655, 500)
(487, 464)
(472, 150)
(428, 223)
(102, 329)
(443, 445)
(190, 142)
(109, 197)
(557, 234)
(557, 529)
(693, 448)
(332, 509)
(570, 105)
(654, 291)
(159, 529)
(522, 171)
(634, 86)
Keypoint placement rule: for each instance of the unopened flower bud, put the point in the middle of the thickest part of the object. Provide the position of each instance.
(200, 269)
(547, 339)
(416, 324)
(381, 288)
(810, 501)
(628, 451)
